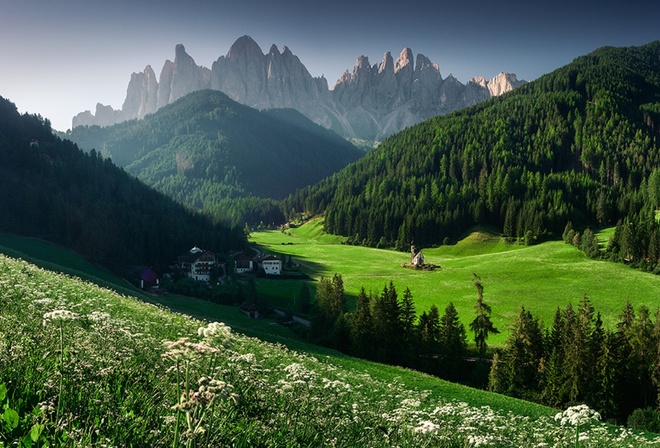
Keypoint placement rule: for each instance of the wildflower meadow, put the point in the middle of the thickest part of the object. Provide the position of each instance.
(83, 366)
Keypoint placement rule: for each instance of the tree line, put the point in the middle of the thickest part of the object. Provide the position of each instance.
(576, 360)
(384, 327)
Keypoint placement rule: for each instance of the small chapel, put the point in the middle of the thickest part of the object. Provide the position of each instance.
(416, 257)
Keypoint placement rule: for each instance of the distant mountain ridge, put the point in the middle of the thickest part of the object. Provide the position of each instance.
(371, 102)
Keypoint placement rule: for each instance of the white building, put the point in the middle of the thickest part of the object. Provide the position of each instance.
(197, 264)
(271, 265)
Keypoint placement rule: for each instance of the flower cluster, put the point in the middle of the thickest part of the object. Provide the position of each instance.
(577, 415)
(215, 330)
(183, 348)
(59, 315)
(209, 390)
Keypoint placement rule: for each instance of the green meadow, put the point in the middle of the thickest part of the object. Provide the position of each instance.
(83, 366)
(541, 277)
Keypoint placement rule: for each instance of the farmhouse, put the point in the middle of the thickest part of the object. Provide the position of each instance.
(271, 265)
(145, 276)
(197, 264)
(250, 309)
(243, 263)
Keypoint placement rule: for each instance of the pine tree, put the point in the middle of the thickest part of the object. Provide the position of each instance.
(555, 374)
(428, 329)
(407, 317)
(321, 321)
(481, 326)
(362, 327)
(337, 302)
(452, 341)
(385, 313)
(521, 358)
(644, 347)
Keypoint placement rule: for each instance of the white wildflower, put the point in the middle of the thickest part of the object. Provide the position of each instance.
(577, 415)
(426, 426)
(98, 316)
(299, 372)
(214, 329)
(59, 315)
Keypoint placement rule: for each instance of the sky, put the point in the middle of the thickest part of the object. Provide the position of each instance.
(61, 57)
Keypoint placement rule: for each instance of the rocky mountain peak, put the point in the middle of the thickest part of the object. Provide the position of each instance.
(502, 83)
(180, 52)
(371, 102)
(387, 65)
(244, 47)
(424, 63)
(405, 59)
(273, 50)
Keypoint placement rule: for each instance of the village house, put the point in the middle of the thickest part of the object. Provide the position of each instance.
(250, 309)
(243, 263)
(197, 264)
(145, 277)
(271, 265)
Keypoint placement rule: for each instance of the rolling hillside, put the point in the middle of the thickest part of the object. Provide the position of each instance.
(206, 148)
(579, 144)
(541, 278)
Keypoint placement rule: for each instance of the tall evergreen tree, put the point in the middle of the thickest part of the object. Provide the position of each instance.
(644, 351)
(362, 327)
(428, 329)
(520, 371)
(385, 312)
(452, 342)
(481, 326)
(555, 375)
(407, 318)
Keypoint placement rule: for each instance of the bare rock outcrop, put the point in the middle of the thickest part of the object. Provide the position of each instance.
(370, 102)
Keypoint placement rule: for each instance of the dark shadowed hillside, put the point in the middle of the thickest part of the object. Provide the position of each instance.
(579, 144)
(51, 189)
(205, 148)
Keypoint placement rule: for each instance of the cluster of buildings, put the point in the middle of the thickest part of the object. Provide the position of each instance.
(205, 266)
(199, 264)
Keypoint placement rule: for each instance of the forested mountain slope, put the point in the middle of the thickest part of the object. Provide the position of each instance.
(205, 148)
(578, 145)
(51, 189)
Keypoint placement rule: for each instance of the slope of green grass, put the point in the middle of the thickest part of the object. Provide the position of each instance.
(83, 366)
(60, 259)
(541, 278)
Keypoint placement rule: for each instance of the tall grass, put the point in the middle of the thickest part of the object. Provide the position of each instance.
(84, 366)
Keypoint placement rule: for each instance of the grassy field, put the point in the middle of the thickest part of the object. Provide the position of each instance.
(82, 366)
(540, 278)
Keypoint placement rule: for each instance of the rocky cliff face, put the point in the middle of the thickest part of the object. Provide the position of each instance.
(371, 102)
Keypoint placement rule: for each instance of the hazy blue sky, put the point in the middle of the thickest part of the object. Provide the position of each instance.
(61, 57)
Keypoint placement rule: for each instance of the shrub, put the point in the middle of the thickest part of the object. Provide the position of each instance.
(647, 419)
